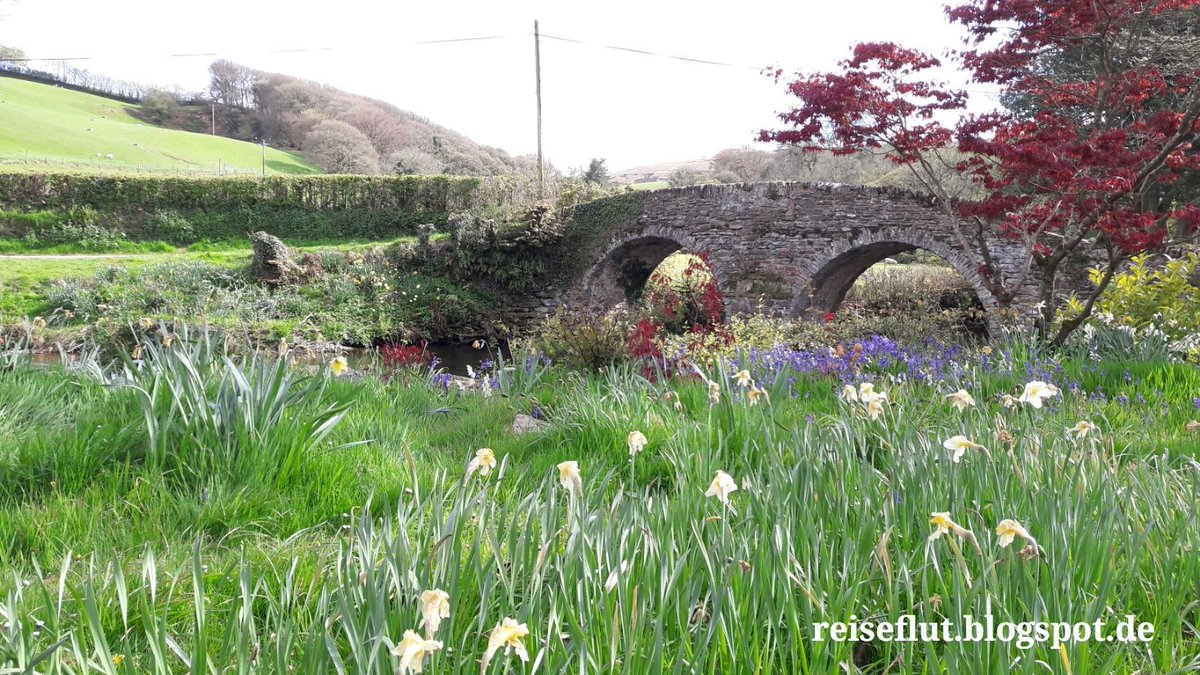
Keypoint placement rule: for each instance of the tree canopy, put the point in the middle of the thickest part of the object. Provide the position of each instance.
(1109, 113)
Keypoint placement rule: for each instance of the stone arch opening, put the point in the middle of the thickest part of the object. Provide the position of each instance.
(622, 275)
(934, 282)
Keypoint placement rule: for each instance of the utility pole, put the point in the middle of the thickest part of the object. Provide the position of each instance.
(214, 118)
(264, 172)
(537, 68)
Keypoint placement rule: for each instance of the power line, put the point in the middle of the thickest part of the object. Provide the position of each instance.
(646, 52)
(478, 38)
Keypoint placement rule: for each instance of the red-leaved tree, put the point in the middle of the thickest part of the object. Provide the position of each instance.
(1102, 108)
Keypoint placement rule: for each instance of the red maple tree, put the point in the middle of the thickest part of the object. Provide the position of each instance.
(1102, 109)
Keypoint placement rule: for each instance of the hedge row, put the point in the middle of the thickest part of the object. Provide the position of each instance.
(319, 193)
(183, 210)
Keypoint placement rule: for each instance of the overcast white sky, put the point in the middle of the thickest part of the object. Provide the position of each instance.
(631, 109)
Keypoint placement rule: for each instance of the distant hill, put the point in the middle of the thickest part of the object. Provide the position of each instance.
(660, 172)
(44, 125)
(344, 132)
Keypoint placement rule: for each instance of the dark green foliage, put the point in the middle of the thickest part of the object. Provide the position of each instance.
(186, 210)
(319, 193)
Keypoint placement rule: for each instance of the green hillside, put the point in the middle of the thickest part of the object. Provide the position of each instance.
(45, 126)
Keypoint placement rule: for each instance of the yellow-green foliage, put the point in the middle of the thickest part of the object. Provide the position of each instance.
(1146, 294)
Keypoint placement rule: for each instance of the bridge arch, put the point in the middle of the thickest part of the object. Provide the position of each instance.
(830, 275)
(628, 261)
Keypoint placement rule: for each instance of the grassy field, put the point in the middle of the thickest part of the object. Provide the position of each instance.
(49, 127)
(24, 279)
(196, 513)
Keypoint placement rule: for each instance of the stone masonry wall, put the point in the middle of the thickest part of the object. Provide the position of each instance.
(784, 248)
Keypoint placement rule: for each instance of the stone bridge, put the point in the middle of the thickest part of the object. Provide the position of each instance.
(783, 248)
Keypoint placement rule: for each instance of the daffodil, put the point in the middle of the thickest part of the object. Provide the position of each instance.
(1036, 391)
(435, 606)
(146, 323)
(959, 445)
(944, 525)
(875, 408)
(637, 442)
(568, 475)
(39, 323)
(755, 395)
(483, 462)
(1009, 529)
(1008, 401)
(338, 366)
(721, 487)
(412, 651)
(867, 393)
(1192, 427)
(849, 394)
(1082, 428)
(714, 392)
(961, 399)
(743, 378)
(283, 347)
(507, 634)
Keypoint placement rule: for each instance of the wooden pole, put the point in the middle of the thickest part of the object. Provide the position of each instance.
(537, 68)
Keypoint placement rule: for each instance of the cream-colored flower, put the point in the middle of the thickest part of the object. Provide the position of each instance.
(435, 606)
(412, 651)
(875, 408)
(714, 392)
(943, 524)
(636, 441)
(755, 395)
(1082, 428)
(338, 366)
(1009, 529)
(849, 394)
(867, 393)
(1008, 401)
(146, 323)
(568, 475)
(483, 462)
(282, 349)
(507, 634)
(721, 487)
(960, 444)
(39, 323)
(743, 378)
(961, 399)
(1192, 427)
(1036, 391)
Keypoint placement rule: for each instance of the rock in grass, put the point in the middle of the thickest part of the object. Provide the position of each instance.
(273, 262)
(524, 424)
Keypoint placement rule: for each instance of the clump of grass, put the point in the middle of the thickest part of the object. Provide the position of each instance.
(209, 418)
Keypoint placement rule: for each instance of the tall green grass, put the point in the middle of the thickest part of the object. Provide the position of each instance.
(640, 572)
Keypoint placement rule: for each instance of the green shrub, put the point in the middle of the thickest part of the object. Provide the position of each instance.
(1148, 294)
(170, 226)
(583, 339)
